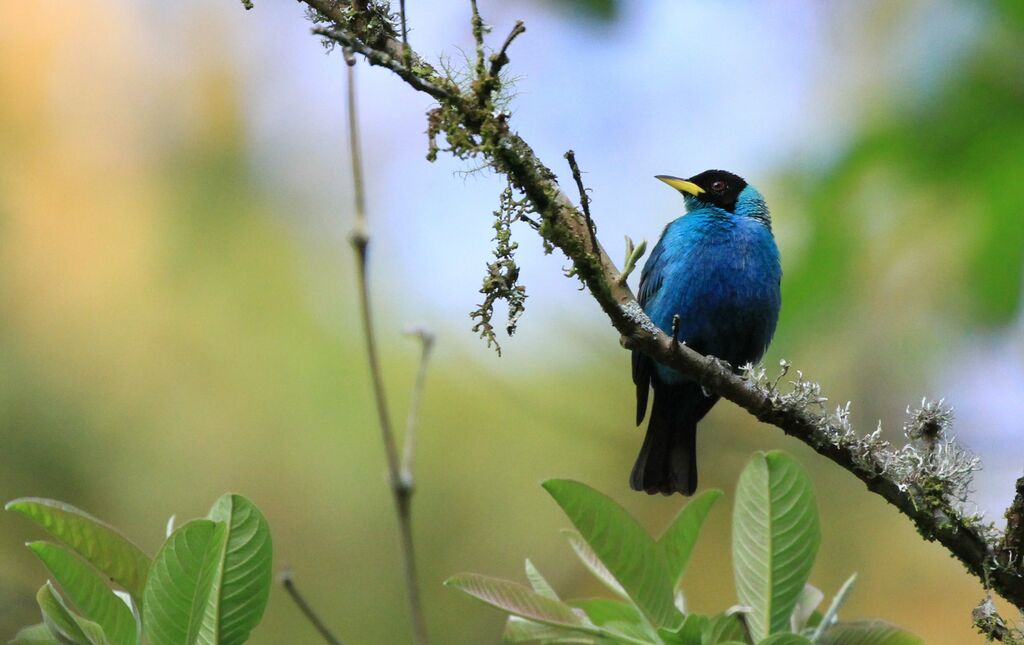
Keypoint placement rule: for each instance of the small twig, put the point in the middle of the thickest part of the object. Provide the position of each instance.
(534, 224)
(500, 59)
(289, 585)
(584, 199)
(360, 239)
(406, 51)
(426, 338)
(478, 36)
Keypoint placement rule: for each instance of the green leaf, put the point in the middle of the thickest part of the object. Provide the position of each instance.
(806, 604)
(690, 632)
(602, 611)
(182, 582)
(622, 545)
(592, 562)
(680, 537)
(517, 599)
(832, 614)
(210, 581)
(88, 592)
(99, 543)
(721, 629)
(775, 540)
(538, 582)
(785, 638)
(868, 633)
(35, 635)
(521, 630)
(244, 575)
(63, 624)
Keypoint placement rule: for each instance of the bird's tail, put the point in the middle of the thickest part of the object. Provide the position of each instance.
(668, 459)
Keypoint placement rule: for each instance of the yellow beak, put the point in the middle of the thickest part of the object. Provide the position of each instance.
(681, 184)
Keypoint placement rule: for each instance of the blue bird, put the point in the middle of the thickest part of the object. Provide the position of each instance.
(717, 268)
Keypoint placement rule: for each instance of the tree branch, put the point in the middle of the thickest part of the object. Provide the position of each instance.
(400, 487)
(923, 491)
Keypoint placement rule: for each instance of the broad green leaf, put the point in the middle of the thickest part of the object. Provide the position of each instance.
(182, 582)
(868, 633)
(721, 629)
(602, 611)
(244, 573)
(689, 633)
(88, 592)
(622, 622)
(65, 625)
(680, 537)
(538, 582)
(35, 635)
(622, 545)
(775, 539)
(592, 562)
(785, 638)
(517, 599)
(521, 630)
(630, 633)
(812, 623)
(99, 543)
(832, 614)
(808, 601)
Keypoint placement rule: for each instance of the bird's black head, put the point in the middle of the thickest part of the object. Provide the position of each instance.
(715, 187)
(721, 188)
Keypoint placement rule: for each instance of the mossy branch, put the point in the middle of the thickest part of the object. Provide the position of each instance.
(922, 486)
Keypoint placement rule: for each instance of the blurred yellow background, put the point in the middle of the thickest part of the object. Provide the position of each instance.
(177, 299)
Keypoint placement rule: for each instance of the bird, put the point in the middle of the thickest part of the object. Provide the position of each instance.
(717, 273)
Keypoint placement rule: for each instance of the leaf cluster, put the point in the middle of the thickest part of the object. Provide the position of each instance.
(776, 534)
(208, 583)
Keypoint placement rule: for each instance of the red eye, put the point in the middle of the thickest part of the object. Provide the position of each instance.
(719, 186)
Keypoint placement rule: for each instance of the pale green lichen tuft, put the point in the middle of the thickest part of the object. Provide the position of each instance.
(501, 282)
(931, 467)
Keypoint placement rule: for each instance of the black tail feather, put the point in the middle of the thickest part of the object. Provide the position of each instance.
(667, 462)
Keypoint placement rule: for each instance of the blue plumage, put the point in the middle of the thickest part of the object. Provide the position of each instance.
(717, 268)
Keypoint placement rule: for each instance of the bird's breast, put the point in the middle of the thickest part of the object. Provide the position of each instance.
(722, 280)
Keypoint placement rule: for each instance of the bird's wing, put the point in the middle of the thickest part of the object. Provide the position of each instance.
(651, 277)
(650, 281)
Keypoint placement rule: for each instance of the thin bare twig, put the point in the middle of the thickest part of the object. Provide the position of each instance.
(406, 57)
(289, 585)
(360, 239)
(584, 198)
(500, 59)
(426, 339)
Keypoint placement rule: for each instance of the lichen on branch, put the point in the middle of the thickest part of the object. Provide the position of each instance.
(501, 282)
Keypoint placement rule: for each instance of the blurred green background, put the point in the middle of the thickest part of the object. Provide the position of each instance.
(177, 302)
